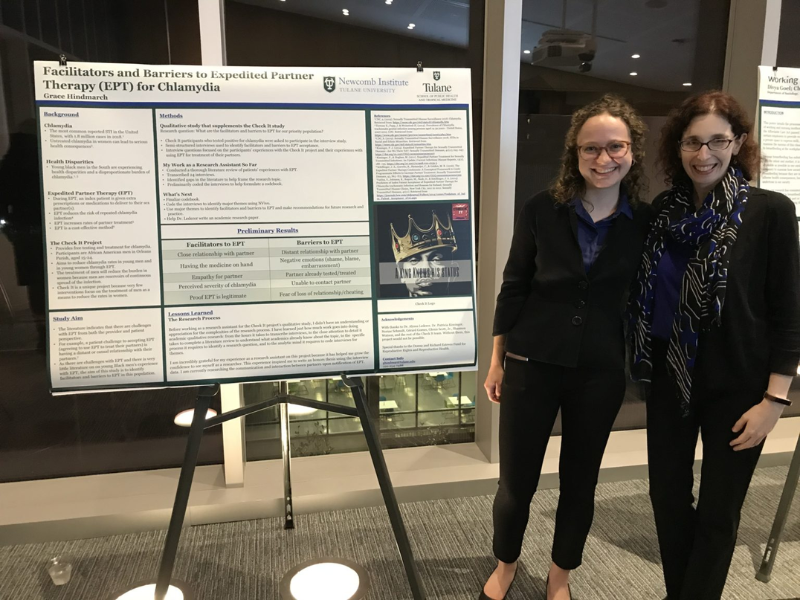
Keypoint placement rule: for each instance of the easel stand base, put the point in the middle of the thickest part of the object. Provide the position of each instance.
(199, 424)
(765, 572)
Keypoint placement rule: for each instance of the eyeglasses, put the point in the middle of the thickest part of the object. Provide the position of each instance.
(716, 144)
(614, 150)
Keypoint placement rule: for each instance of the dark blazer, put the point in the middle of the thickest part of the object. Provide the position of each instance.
(760, 329)
(550, 309)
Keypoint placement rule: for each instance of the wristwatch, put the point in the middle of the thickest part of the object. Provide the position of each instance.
(783, 401)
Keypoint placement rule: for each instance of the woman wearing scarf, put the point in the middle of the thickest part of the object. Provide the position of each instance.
(716, 330)
(558, 333)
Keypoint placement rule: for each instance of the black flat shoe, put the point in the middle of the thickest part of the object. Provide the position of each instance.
(547, 586)
(483, 595)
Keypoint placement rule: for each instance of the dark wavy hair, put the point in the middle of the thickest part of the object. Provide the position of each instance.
(708, 103)
(570, 182)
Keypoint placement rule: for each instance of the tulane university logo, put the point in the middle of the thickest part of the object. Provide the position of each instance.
(329, 83)
(437, 75)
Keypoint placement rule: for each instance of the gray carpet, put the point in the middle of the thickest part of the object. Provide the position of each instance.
(451, 538)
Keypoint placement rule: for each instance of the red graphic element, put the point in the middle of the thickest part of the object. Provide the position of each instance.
(461, 212)
(439, 232)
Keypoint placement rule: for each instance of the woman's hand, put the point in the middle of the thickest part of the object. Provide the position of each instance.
(756, 424)
(494, 381)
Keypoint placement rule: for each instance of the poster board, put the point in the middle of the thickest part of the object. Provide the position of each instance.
(235, 224)
(779, 131)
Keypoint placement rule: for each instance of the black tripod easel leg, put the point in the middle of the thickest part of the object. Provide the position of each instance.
(286, 451)
(765, 572)
(389, 498)
(204, 396)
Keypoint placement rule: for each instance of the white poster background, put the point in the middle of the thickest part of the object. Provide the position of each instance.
(779, 131)
(414, 340)
(274, 156)
(326, 108)
(105, 348)
(117, 240)
(250, 341)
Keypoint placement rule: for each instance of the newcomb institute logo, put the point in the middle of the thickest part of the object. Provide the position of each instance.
(329, 83)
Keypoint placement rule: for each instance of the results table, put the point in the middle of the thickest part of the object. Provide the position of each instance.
(219, 271)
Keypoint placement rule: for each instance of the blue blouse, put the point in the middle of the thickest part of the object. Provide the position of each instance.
(592, 236)
(669, 275)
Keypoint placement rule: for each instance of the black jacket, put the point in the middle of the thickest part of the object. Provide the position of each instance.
(760, 329)
(549, 307)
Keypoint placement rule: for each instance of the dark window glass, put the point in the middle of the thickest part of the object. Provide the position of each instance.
(49, 20)
(412, 410)
(12, 14)
(31, 15)
(64, 25)
(43, 436)
(77, 24)
(91, 29)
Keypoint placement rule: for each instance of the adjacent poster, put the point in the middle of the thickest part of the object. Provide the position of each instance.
(231, 224)
(779, 130)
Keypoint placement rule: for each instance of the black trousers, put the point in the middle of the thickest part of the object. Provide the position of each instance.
(531, 394)
(696, 543)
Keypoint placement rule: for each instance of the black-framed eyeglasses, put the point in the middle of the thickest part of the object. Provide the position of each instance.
(716, 144)
(617, 149)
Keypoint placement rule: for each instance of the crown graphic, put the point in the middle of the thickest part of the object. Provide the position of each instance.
(421, 240)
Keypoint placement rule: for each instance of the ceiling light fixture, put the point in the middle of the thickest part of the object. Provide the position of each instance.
(389, 2)
(636, 56)
(526, 51)
(296, 410)
(687, 84)
(142, 592)
(634, 74)
(177, 590)
(184, 418)
(411, 25)
(334, 579)
(345, 12)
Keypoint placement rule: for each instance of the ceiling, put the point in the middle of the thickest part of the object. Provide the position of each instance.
(662, 32)
(442, 21)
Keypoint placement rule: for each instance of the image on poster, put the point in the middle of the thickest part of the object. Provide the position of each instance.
(237, 224)
(424, 250)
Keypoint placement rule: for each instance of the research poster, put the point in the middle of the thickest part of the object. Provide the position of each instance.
(779, 131)
(234, 224)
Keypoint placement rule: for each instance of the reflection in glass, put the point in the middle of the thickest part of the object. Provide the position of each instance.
(410, 410)
(42, 436)
(373, 34)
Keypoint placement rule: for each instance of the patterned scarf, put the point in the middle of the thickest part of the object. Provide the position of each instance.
(712, 231)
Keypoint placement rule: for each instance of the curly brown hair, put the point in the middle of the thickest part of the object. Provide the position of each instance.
(707, 103)
(570, 182)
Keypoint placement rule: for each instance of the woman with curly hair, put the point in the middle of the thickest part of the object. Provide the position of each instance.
(716, 330)
(558, 333)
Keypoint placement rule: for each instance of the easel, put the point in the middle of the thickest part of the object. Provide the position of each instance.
(200, 423)
(765, 572)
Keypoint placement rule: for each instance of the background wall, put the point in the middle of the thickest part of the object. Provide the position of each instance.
(789, 41)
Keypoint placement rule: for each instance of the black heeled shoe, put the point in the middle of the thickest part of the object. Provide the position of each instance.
(547, 586)
(483, 595)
